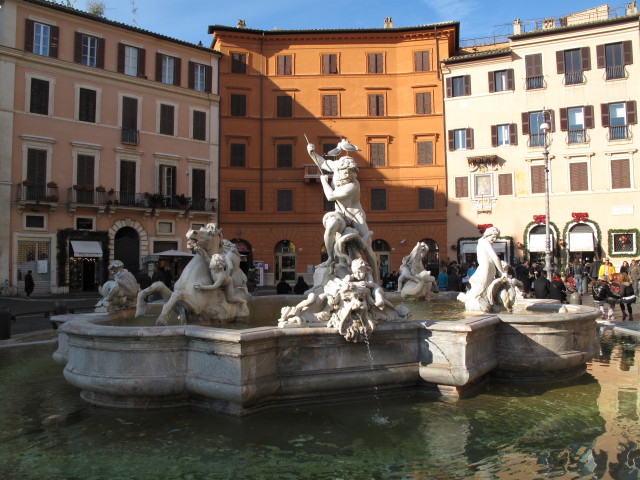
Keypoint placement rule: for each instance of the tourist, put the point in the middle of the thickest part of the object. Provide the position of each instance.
(522, 274)
(603, 295)
(167, 277)
(251, 280)
(471, 270)
(578, 274)
(558, 290)
(606, 269)
(455, 283)
(627, 296)
(542, 286)
(624, 268)
(300, 287)
(29, 284)
(283, 288)
(634, 274)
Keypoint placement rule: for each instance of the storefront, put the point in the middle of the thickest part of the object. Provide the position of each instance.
(86, 266)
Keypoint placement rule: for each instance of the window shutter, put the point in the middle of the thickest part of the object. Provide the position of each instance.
(585, 57)
(588, 117)
(177, 70)
(627, 52)
(560, 61)
(77, 47)
(326, 68)
(208, 72)
(469, 138)
(467, 84)
(525, 123)
(427, 102)
(462, 187)
(505, 184)
(510, 79)
(141, 62)
(620, 174)
(564, 120)
(533, 65)
(578, 176)
(55, 41)
(158, 67)
(492, 82)
(120, 58)
(537, 179)
(452, 142)
(28, 35)
(191, 81)
(419, 103)
(604, 114)
(513, 134)
(494, 135)
(632, 117)
(449, 86)
(600, 58)
(425, 153)
(552, 120)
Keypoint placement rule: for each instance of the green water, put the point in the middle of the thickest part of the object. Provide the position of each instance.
(584, 429)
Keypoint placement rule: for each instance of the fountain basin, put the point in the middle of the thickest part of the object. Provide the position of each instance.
(240, 372)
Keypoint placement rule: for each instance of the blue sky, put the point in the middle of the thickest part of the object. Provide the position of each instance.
(188, 19)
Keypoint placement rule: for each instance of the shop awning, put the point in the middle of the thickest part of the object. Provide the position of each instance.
(581, 242)
(86, 249)
(173, 253)
(538, 242)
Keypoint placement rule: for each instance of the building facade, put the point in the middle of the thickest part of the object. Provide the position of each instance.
(108, 144)
(380, 89)
(579, 75)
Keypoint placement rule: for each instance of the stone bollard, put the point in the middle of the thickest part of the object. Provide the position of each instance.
(5, 323)
(575, 298)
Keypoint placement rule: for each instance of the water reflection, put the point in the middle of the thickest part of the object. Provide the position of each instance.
(587, 428)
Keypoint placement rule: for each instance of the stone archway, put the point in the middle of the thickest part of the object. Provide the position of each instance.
(142, 235)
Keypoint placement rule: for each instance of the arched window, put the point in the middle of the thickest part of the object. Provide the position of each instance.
(432, 260)
(383, 254)
(285, 261)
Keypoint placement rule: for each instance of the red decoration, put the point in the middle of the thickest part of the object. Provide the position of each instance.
(623, 239)
(539, 219)
(483, 226)
(580, 216)
(561, 242)
(520, 245)
(454, 246)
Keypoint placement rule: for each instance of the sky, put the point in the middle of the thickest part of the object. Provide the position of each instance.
(188, 20)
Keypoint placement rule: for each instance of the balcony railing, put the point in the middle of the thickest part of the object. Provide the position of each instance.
(578, 136)
(620, 132)
(536, 82)
(573, 78)
(129, 137)
(615, 71)
(36, 193)
(536, 140)
(204, 204)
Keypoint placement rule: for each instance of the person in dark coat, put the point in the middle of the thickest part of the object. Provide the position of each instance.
(29, 284)
(283, 288)
(558, 289)
(455, 282)
(300, 287)
(542, 286)
(168, 278)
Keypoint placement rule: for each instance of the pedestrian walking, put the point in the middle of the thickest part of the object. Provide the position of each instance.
(29, 284)
(627, 297)
(634, 274)
(578, 274)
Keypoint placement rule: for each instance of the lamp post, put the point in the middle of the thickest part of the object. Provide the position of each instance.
(546, 127)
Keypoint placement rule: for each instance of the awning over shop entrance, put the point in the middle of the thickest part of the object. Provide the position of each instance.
(581, 242)
(86, 249)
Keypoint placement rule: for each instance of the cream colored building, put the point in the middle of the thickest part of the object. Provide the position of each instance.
(108, 144)
(580, 73)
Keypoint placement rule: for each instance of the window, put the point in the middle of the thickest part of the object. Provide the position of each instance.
(128, 182)
(534, 75)
(537, 179)
(237, 200)
(284, 155)
(83, 223)
(165, 228)
(87, 102)
(167, 115)
(284, 64)
(200, 77)
(421, 61)
(502, 135)
(426, 198)
(238, 63)
(458, 86)
(131, 60)
(329, 105)
(531, 122)
(461, 139)
(618, 117)
(423, 103)
(620, 173)
(329, 64)
(501, 80)
(238, 105)
(572, 63)
(624, 243)
(238, 155)
(41, 39)
(167, 179)
(462, 187)
(425, 152)
(613, 57)
(85, 178)
(284, 106)
(198, 188)
(36, 173)
(575, 121)
(374, 63)
(483, 185)
(285, 200)
(89, 50)
(34, 221)
(199, 125)
(376, 105)
(377, 154)
(129, 120)
(378, 199)
(167, 69)
(39, 99)
(578, 176)
(505, 184)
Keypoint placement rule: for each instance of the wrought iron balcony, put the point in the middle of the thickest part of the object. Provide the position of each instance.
(536, 82)
(615, 71)
(573, 78)
(204, 204)
(619, 132)
(129, 137)
(28, 192)
(578, 136)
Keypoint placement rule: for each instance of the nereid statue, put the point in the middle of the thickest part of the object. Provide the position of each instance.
(119, 293)
(414, 280)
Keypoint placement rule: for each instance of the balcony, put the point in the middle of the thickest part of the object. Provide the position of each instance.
(31, 194)
(128, 136)
(536, 140)
(573, 78)
(615, 71)
(204, 204)
(534, 83)
(619, 132)
(311, 173)
(577, 136)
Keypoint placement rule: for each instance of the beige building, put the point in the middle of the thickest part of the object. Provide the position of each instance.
(579, 73)
(108, 144)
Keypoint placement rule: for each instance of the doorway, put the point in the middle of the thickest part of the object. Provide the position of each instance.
(127, 248)
(285, 261)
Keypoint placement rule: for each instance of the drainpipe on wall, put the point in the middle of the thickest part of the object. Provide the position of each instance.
(261, 118)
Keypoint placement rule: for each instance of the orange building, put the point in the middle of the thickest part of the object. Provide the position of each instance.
(379, 88)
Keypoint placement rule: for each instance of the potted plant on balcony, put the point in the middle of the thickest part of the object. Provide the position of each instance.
(27, 183)
(88, 188)
(52, 185)
(78, 187)
(100, 188)
(182, 200)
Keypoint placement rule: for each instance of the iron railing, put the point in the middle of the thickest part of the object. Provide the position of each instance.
(36, 193)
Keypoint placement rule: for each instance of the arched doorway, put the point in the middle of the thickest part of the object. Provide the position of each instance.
(432, 260)
(383, 253)
(127, 248)
(537, 244)
(245, 251)
(581, 243)
(285, 261)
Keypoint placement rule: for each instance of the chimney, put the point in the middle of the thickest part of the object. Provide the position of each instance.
(388, 23)
(548, 23)
(517, 27)
(632, 8)
(241, 24)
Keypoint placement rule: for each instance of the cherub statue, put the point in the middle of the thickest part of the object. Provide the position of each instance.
(220, 278)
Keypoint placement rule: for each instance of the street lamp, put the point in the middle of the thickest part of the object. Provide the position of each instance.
(546, 127)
